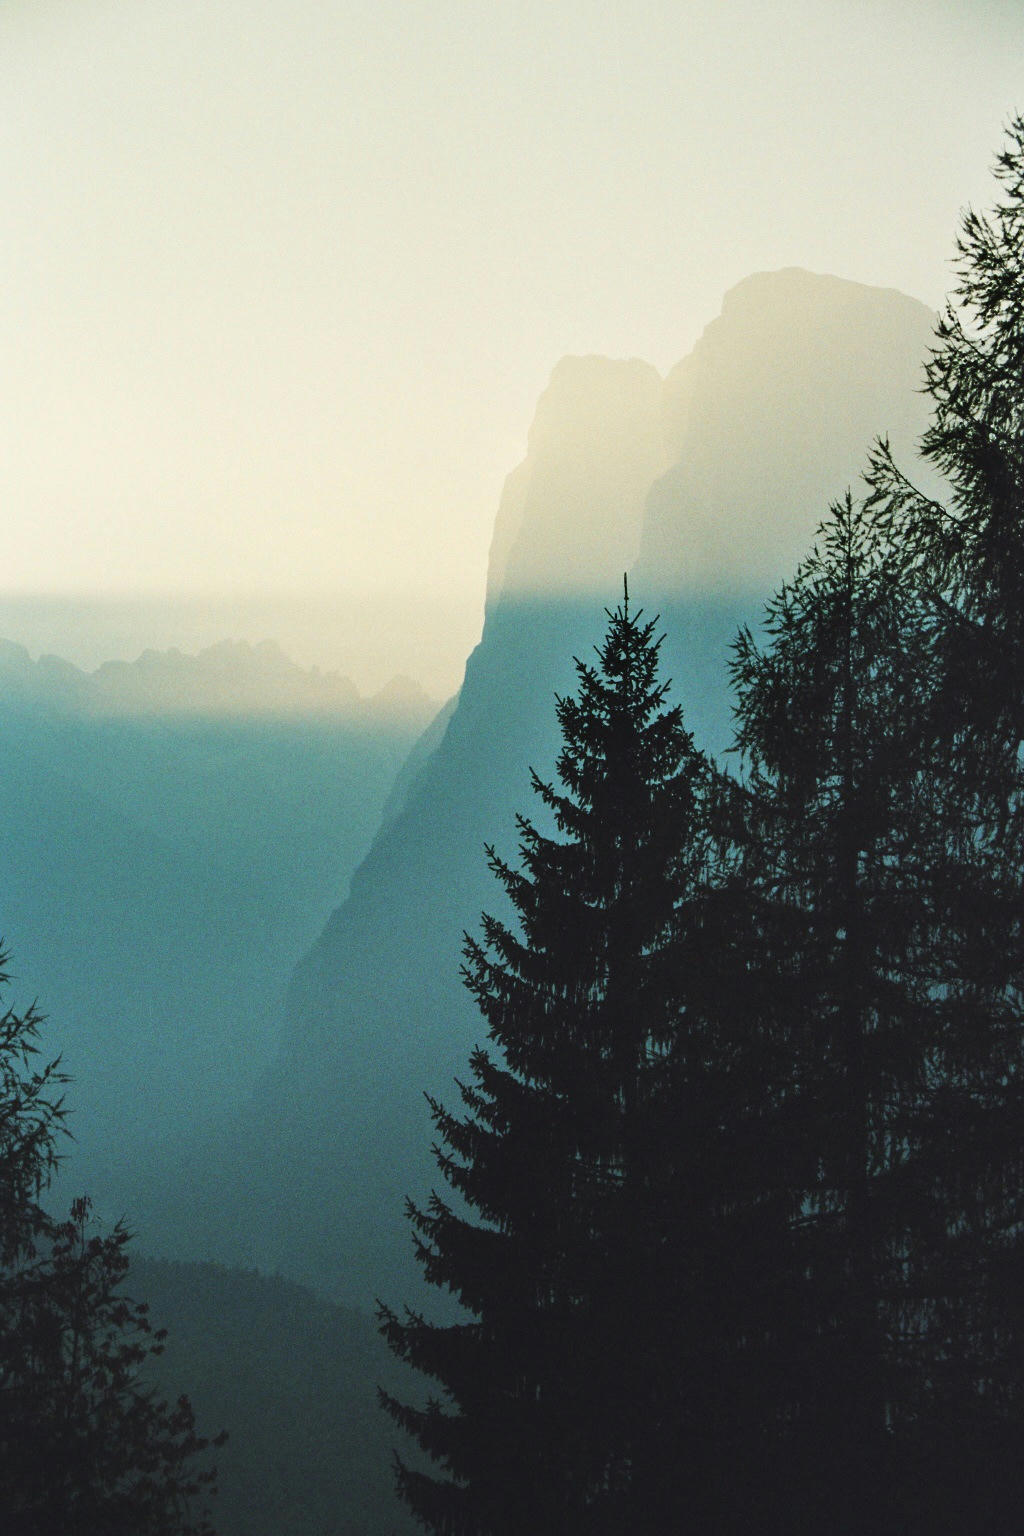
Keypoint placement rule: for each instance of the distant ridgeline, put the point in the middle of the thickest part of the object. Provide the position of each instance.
(707, 487)
(171, 833)
(230, 679)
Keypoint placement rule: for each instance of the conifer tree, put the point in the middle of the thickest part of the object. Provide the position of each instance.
(85, 1448)
(883, 720)
(565, 1384)
(966, 556)
(847, 852)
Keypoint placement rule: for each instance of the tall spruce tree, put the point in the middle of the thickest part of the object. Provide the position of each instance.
(576, 1387)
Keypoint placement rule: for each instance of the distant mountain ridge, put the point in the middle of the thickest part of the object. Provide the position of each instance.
(706, 486)
(231, 678)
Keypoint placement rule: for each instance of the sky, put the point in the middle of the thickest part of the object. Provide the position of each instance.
(282, 280)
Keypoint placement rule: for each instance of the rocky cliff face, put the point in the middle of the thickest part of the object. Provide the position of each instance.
(573, 510)
(709, 485)
(770, 419)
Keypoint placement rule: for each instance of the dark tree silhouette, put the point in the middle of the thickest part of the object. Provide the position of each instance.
(85, 1448)
(966, 556)
(848, 854)
(882, 719)
(582, 1355)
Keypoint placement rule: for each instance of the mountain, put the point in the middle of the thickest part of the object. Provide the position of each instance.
(163, 863)
(706, 485)
(767, 422)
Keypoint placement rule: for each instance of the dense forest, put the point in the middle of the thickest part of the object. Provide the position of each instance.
(736, 1192)
(729, 1223)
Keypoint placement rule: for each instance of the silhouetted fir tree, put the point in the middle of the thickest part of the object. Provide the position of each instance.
(578, 1388)
(846, 855)
(85, 1448)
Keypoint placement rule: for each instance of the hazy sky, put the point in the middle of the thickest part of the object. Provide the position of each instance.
(281, 280)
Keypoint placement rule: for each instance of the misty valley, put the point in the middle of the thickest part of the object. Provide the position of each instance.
(684, 1189)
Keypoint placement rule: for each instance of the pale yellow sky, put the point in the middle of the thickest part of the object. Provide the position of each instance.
(281, 280)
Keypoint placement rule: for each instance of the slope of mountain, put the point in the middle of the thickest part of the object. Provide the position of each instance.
(161, 872)
(294, 1381)
(709, 484)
